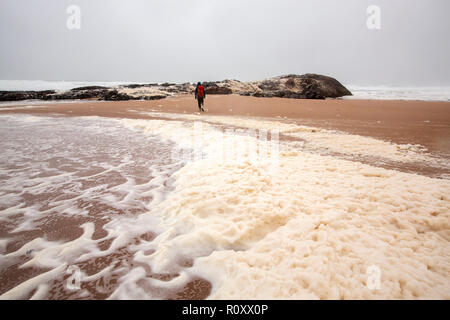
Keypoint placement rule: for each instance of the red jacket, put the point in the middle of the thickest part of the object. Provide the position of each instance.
(200, 92)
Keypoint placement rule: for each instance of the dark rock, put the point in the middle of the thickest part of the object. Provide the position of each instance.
(134, 86)
(79, 94)
(325, 87)
(24, 95)
(142, 85)
(290, 83)
(311, 91)
(218, 90)
(154, 97)
(207, 84)
(45, 93)
(269, 85)
(307, 86)
(166, 84)
(88, 88)
(259, 94)
(294, 95)
(185, 87)
(291, 76)
(114, 95)
(280, 93)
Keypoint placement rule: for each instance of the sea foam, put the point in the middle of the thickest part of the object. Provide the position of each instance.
(313, 226)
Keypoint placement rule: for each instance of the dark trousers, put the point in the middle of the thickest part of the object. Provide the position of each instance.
(200, 103)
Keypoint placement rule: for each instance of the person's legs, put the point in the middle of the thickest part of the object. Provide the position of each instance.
(200, 104)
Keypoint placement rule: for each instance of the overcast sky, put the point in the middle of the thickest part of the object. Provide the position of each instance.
(193, 40)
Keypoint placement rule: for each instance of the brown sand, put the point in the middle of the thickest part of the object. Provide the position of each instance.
(415, 122)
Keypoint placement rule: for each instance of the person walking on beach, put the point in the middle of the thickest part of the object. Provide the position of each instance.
(200, 95)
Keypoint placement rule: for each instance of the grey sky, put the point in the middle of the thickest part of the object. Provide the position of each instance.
(190, 40)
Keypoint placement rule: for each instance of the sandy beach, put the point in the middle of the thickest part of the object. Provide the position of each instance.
(421, 122)
(93, 188)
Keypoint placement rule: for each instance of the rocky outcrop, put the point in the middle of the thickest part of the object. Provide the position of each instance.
(24, 95)
(322, 85)
(89, 88)
(215, 89)
(135, 85)
(115, 95)
(90, 92)
(79, 94)
(307, 86)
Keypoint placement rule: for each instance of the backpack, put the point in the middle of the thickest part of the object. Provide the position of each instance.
(200, 92)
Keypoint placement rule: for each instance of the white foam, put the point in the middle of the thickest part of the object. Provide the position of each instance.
(17, 107)
(39, 282)
(48, 158)
(316, 139)
(316, 230)
(307, 230)
(3, 244)
(399, 93)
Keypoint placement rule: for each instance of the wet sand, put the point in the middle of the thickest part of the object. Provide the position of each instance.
(403, 122)
(426, 123)
(82, 189)
(414, 122)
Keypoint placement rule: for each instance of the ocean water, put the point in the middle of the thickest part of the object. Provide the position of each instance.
(189, 206)
(11, 85)
(400, 93)
(359, 92)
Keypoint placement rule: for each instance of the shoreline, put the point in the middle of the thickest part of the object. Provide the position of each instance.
(89, 152)
(400, 121)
